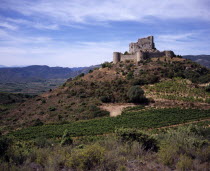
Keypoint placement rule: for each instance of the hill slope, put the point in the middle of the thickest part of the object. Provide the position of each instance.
(83, 97)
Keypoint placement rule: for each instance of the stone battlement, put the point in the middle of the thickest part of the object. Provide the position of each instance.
(143, 49)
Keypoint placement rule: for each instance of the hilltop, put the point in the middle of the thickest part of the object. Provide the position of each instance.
(182, 82)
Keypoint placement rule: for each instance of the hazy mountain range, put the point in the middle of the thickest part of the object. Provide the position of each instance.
(38, 73)
(201, 59)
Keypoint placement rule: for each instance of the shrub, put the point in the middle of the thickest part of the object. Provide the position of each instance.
(126, 53)
(87, 158)
(52, 108)
(90, 71)
(130, 135)
(38, 122)
(106, 64)
(66, 139)
(42, 142)
(4, 145)
(136, 94)
(184, 142)
(129, 76)
(105, 99)
(184, 163)
(208, 88)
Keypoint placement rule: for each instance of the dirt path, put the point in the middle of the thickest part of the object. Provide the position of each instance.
(115, 109)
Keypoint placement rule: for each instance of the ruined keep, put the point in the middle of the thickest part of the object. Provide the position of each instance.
(143, 49)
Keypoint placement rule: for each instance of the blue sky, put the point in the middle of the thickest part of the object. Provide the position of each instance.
(74, 33)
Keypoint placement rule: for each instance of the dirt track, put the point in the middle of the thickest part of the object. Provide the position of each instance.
(115, 109)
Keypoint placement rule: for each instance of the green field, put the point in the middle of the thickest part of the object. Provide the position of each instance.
(143, 119)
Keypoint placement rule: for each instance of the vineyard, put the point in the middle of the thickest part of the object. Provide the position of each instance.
(131, 118)
(179, 89)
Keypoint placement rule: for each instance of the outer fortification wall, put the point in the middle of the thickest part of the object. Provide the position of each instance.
(127, 57)
(142, 50)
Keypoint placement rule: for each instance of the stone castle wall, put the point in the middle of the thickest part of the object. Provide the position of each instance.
(142, 50)
(127, 57)
(142, 44)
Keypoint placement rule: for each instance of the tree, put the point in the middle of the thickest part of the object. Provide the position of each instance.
(136, 94)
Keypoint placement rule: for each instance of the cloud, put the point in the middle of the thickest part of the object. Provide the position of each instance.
(93, 11)
(35, 32)
(185, 43)
(28, 50)
(8, 26)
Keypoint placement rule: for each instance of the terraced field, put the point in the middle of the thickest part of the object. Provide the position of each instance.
(131, 118)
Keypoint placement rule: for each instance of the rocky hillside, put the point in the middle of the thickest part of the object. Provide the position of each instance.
(84, 97)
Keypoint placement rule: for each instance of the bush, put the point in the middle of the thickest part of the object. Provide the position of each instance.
(52, 108)
(129, 76)
(136, 94)
(66, 139)
(105, 99)
(208, 88)
(42, 142)
(4, 145)
(130, 135)
(126, 53)
(184, 163)
(87, 158)
(178, 147)
(38, 122)
(106, 64)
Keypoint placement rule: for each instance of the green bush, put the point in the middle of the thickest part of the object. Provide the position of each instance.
(106, 64)
(136, 94)
(105, 99)
(126, 53)
(129, 76)
(178, 147)
(38, 122)
(42, 142)
(184, 163)
(87, 158)
(52, 108)
(66, 139)
(130, 135)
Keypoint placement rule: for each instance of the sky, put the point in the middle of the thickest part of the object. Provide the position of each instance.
(75, 33)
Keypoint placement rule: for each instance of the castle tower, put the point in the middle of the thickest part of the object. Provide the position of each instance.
(140, 56)
(116, 57)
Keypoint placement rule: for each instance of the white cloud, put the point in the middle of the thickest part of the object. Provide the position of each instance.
(93, 11)
(8, 26)
(26, 50)
(185, 43)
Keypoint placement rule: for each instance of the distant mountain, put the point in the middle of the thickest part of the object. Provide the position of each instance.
(201, 59)
(38, 73)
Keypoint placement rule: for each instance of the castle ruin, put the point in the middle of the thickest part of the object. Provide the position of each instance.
(143, 49)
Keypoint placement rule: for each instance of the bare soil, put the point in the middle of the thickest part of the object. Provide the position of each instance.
(116, 109)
